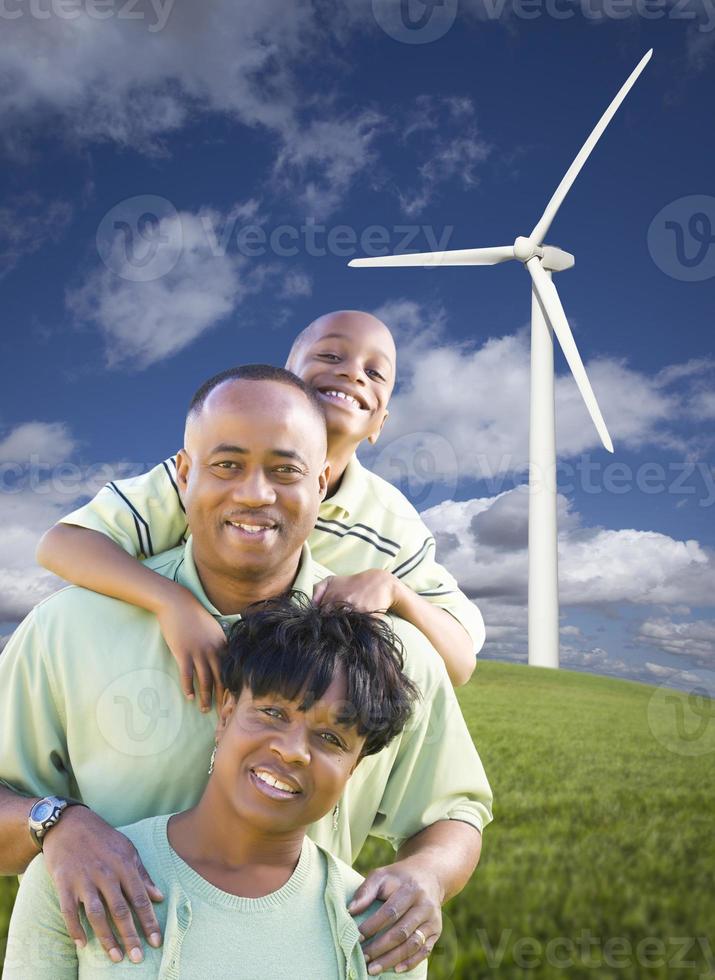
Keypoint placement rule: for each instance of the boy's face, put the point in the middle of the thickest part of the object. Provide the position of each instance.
(269, 738)
(349, 358)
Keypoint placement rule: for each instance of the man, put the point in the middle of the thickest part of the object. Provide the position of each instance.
(92, 710)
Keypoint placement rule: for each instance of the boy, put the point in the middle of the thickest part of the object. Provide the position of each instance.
(367, 533)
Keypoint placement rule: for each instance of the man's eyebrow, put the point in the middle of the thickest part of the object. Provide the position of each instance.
(227, 447)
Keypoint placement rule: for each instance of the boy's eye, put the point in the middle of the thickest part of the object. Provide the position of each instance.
(329, 356)
(373, 371)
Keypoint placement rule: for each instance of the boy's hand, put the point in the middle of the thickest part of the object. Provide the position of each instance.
(95, 866)
(372, 591)
(196, 642)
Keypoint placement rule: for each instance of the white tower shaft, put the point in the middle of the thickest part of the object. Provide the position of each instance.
(543, 547)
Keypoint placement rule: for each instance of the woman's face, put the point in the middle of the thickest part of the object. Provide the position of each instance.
(281, 768)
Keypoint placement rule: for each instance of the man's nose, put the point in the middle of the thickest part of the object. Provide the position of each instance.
(254, 490)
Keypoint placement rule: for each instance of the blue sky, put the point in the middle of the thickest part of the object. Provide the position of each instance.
(184, 185)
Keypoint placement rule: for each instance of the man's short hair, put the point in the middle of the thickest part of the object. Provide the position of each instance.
(255, 372)
(291, 647)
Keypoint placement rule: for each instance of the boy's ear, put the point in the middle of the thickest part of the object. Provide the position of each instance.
(225, 711)
(376, 435)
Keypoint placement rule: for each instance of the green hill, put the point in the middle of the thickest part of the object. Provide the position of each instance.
(600, 860)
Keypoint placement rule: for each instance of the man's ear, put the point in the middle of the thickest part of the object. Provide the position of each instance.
(227, 708)
(183, 465)
(376, 435)
(324, 479)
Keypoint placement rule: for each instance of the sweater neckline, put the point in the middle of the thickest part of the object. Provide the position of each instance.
(194, 884)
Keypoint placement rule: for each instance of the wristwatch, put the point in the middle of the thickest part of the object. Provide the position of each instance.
(45, 814)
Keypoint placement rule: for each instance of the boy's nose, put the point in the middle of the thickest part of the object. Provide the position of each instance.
(354, 371)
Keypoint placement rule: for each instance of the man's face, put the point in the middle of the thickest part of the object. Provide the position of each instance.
(252, 476)
(268, 739)
(349, 359)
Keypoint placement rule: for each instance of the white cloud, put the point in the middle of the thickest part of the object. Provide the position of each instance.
(48, 443)
(38, 485)
(139, 76)
(695, 639)
(145, 322)
(479, 397)
(295, 284)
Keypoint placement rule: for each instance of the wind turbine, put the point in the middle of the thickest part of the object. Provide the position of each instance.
(547, 318)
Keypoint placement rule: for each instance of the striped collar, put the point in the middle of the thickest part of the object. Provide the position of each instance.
(351, 490)
(185, 574)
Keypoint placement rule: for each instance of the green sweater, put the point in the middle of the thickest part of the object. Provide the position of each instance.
(303, 931)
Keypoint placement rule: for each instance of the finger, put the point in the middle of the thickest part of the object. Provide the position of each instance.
(319, 591)
(367, 893)
(411, 963)
(70, 912)
(215, 668)
(401, 932)
(186, 671)
(97, 917)
(205, 681)
(390, 912)
(120, 910)
(141, 892)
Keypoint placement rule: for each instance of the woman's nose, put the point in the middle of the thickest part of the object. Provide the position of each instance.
(292, 745)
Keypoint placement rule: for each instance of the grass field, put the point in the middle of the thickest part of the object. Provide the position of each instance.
(601, 857)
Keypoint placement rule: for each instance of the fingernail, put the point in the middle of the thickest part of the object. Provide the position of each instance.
(367, 957)
(155, 939)
(115, 955)
(136, 955)
(79, 943)
(400, 969)
(361, 938)
(374, 969)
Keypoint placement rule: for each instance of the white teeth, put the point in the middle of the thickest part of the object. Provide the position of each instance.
(266, 777)
(251, 528)
(344, 397)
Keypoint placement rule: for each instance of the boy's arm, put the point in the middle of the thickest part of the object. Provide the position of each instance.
(97, 547)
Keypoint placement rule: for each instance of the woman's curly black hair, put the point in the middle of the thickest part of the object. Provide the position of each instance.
(291, 647)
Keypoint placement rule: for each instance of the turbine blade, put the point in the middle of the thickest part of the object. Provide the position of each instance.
(460, 256)
(554, 313)
(544, 223)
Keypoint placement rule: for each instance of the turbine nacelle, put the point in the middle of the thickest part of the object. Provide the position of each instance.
(552, 258)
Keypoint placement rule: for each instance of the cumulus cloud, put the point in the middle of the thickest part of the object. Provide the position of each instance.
(695, 639)
(139, 75)
(196, 286)
(479, 397)
(38, 484)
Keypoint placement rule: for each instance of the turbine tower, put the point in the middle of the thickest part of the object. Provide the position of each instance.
(547, 318)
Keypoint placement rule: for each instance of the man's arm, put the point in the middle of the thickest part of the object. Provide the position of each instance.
(17, 848)
(430, 868)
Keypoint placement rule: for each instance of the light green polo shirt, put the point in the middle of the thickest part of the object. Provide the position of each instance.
(91, 707)
(367, 523)
(303, 930)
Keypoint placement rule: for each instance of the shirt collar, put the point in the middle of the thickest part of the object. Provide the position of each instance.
(351, 490)
(185, 574)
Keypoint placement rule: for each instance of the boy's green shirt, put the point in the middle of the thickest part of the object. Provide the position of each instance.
(91, 707)
(368, 523)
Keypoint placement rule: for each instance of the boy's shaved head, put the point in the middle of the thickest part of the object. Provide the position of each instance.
(348, 321)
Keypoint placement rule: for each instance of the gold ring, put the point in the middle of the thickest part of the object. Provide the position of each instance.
(421, 936)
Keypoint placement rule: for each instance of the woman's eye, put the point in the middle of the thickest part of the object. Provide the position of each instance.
(272, 712)
(331, 739)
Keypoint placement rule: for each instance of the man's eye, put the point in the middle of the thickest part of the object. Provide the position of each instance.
(288, 469)
(226, 464)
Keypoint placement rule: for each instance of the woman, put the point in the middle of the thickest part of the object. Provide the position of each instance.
(310, 691)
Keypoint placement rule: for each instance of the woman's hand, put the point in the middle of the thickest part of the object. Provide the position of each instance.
(196, 642)
(95, 866)
(372, 591)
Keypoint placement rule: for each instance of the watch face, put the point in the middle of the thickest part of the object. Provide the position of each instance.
(42, 810)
